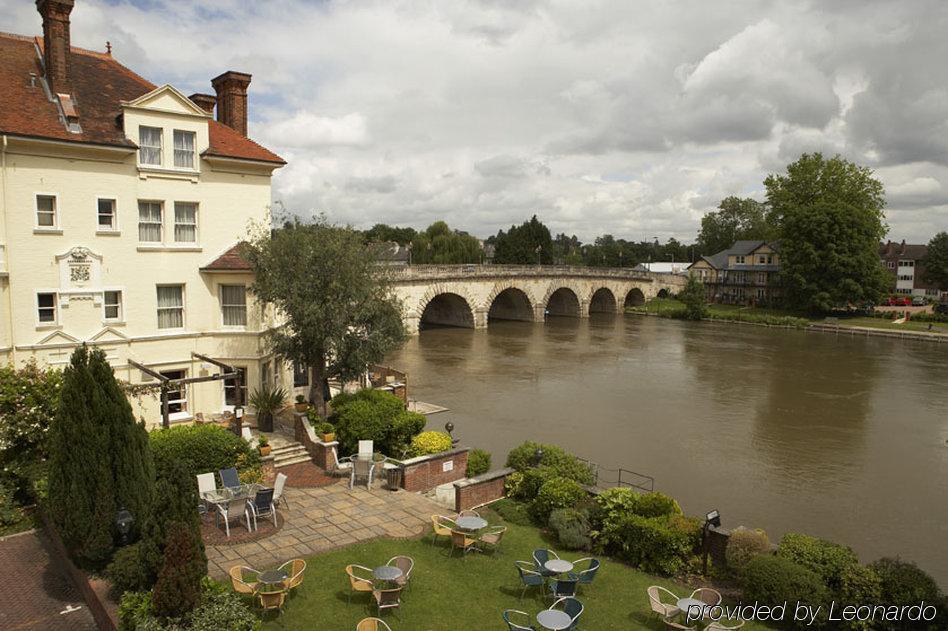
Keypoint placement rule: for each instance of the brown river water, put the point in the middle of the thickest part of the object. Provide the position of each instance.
(839, 437)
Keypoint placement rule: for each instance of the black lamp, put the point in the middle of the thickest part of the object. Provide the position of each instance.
(449, 427)
(712, 519)
(123, 522)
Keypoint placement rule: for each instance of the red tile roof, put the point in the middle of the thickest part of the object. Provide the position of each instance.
(229, 261)
(99, 84)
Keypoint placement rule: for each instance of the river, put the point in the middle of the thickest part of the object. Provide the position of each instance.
(839, 437)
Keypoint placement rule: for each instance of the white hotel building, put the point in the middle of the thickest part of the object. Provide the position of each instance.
(121, 203)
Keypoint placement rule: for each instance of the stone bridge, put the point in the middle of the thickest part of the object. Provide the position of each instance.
(470, 296)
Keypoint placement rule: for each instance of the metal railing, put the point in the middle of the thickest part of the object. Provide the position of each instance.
(620, 477)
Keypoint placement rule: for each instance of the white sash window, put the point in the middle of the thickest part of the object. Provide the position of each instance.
(185, 222)
(149, 145)
(234, 305)
(184, 149)
(170, 306)
(149, 222)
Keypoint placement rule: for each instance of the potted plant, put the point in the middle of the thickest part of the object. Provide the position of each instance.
(326, 431)
(301, 404)
(267, 401)
(263, 444)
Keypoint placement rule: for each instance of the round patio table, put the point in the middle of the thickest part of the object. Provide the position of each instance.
(387, 573)
(471, 523)
(558, 566)
(686, 604)
(554, 619)
(272, 577)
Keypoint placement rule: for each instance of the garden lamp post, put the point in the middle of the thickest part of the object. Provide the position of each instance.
(713, 518)
(123, 523)
(449, 427)
(538, 456)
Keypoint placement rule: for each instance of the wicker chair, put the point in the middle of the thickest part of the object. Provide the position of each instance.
(460, 541)
(243, 579)
(664, 610)
(294, 571)
(441, 527)
(405, 564)
(359, 584)
(388, 598)
(493, 537)
(717, 626)
(272, 600)
(372, 624)
(707, 595)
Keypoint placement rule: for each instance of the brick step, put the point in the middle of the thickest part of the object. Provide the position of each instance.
(276, 451)
(292, 460)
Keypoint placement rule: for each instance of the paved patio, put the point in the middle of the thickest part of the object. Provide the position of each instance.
(327, 517)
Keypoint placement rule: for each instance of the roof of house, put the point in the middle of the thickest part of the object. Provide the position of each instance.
(388, 252)
(99, 85)
(741, 248)
(909, 251)
(230, 261)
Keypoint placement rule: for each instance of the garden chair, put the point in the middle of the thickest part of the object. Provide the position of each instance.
(372, 624)
(243, 579)
(387, 598)
(262, 506)
(229, 478)
(362, 470)
(405, 564)
(339, 465)
(206, 484)
(272, 600)
(663, 609)
(359, 584)
(460, 541)
(441, 527)
(366, 449)
(563, 587)
(493, 537)
(468, 513)
(677, 626)
(231, 509)
(586, 576)
(529, 577)
(707, 595)
(572, 608)
(718, 626)
(278, 495)
(294, 570)
(540, 557)
(523, 616)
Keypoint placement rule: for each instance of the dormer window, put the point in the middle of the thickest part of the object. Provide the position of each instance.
(184, 149)
(149, 143)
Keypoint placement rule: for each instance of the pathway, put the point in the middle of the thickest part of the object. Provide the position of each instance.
(328, 517)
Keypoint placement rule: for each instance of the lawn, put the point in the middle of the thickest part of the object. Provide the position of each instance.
(882, 323)
(451, 593)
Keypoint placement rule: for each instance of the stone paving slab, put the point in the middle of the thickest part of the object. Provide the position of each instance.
(34, 594)
(325, 518)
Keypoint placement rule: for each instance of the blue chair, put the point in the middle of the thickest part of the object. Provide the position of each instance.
(572, 608)
(262, 506)
(515, 626)
(229, 478)
(563, 587)
(540, 557)
(586, 576)
(529, 577)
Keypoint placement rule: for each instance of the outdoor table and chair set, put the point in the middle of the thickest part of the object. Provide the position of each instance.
(234, 500)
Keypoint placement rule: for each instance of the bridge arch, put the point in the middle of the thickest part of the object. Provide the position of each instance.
(663, 293)
(602, 300)
(441, 307)
(563, 301)
(509, 303)
(634, 298)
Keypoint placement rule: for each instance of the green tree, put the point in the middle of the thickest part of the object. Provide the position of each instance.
(693, 297)
(339, 313)
(178, 588)
(439, 244)
(383, 232)
(829, 218)
(736, 218)
(525, 244)
(936, 261)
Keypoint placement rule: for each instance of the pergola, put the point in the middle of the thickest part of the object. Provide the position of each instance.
(166, 384)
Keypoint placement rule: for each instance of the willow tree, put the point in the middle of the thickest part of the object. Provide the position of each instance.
(334, 307)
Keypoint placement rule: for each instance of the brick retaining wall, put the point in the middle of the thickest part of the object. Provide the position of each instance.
(479, 490)
(426, 472)
(320, 452)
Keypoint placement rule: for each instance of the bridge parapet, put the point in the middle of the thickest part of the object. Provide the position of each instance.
(460, 272)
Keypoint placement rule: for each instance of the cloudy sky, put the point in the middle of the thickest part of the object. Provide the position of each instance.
(627, 117)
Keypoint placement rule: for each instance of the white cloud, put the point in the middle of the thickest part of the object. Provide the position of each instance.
(307, 130)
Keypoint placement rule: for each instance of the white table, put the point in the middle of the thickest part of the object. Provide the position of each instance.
(387, 573)
(686, 604)
(558, 566)
(554, 619)
(471, 523)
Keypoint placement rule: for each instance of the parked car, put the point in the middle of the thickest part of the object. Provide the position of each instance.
(919, 301)
(899, 301)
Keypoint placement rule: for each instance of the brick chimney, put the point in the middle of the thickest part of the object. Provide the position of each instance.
(56, 47)
(231, 88)
(205, 101)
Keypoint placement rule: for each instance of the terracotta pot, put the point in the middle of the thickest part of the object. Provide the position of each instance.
(301, 407)
(328, 438)
(265, 450)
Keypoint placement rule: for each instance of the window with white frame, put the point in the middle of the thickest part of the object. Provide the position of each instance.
(105, 214)
(177, 393)
(112, 305)
(46, 211)
(46, 308)
(149, 145)
(170, 306)
(184, 149)
(906, 263)
(149, 222)
(739, 259)
(185, 222)
(234, 305)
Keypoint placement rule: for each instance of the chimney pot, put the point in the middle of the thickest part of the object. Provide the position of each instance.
(231, 88)
(205, 101)
(57, 50)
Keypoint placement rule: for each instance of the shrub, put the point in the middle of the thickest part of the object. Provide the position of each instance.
(429, 443)
(693, 297)
(126, 571)
(743, 546)
(860, 585)
(655, 504)
(557, 492)
(512, 511)
(566, 465)
(657, 545)
(513, 483)
(200, 448)
(134, 610)
(572, 528)
(830, 561)
(478, 462)
(222, 611)
(904, 583)
(772, 579)
(615, 503)
(531, 481)
(374, 415)
(178, 589)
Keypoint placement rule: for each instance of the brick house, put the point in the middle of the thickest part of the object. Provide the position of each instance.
(904, 262)
(746, 273)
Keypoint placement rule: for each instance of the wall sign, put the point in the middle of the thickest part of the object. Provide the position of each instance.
(447, 466)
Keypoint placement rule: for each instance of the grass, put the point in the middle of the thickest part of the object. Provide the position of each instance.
(450, 593)
(883, 323)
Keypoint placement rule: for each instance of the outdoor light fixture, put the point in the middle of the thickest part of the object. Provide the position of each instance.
(538, 456)
(713, 518)
(449, 427)
(123, 522)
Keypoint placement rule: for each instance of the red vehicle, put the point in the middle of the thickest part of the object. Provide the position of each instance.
(899, 301)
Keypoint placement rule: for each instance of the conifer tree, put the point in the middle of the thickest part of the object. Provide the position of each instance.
(178, 588)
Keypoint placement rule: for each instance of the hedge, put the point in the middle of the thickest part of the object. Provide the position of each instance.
(557, 492)
(773, 579)
(201, 448)
(830, 561)
(564, 464)
(657, 545)
(478, 462)
(429, 443)
(374, 415)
